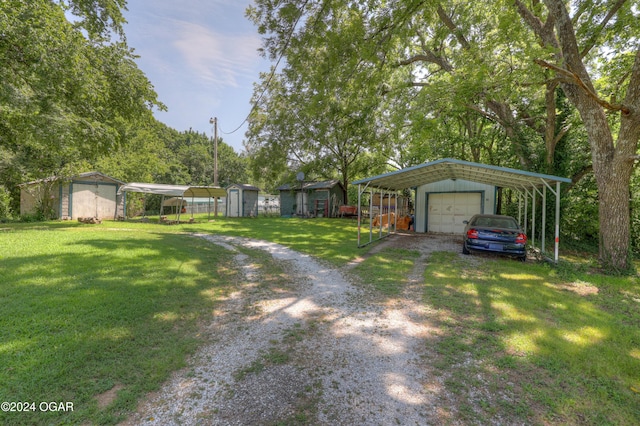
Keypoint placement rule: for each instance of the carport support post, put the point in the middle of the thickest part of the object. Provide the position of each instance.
(380, 214)
(359, 211)
(544, 217)
(557, 236)
(557, 224)
(370, 215)
(395, 216)
(389, 214)
(533, 218)
(526, 210)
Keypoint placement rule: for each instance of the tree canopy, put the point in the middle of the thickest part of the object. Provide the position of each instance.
(67, 90)
(531, 84)
(72, 99)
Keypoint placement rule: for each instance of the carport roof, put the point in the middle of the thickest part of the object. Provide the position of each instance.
(448, 168)
(174, 190)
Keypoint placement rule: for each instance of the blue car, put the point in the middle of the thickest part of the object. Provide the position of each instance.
(495, 234)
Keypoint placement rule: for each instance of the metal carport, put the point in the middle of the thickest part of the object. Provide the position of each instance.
(180, 191)
(528, 185)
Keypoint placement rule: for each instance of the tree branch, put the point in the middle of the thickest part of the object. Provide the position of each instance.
(578, 81)
(452, 27)
(430, 57)
(577, 177)
(542, 30)
(592, 41)
(485, 114)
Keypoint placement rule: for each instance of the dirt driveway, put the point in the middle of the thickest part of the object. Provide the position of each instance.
(323, 352)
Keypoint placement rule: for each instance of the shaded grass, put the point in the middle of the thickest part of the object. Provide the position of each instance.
(83, 310)
(522, 343)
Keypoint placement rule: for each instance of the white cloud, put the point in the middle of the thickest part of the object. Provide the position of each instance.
(219, 59)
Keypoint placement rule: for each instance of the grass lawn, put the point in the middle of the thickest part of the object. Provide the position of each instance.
(332, 240)
(85, 309)
(525, 343)
(88, 308)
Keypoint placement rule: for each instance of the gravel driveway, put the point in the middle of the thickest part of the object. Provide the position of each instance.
(326, 352)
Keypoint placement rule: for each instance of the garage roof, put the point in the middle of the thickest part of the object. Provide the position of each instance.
(174, 190)
(449, 168)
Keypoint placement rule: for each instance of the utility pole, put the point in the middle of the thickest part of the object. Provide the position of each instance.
(214, 121)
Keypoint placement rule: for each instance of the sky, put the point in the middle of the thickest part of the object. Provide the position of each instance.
(201, 57)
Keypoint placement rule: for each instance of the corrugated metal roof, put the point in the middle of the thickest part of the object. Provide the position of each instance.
(85, 175)
(174, 190)
(328, 184)
(449, 168)
(244, 186)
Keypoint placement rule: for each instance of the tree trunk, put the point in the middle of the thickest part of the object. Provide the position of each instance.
(613, 196)
(612, 160)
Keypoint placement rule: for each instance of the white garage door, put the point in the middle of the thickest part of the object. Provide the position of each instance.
(90, 200)
(448, 211)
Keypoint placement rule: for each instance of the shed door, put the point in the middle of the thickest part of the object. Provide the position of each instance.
(234, 203)
(93, 200)
(302, 200)
(448, 211)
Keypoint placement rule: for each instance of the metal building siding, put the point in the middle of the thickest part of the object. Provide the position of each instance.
(65, 201)
(451, 186)
(93, 199)
(250, 202)
(287, 200)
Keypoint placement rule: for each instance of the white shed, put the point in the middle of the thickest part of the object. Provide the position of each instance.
(242, 200)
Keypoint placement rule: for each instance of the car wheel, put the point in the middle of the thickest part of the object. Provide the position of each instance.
(464, 249)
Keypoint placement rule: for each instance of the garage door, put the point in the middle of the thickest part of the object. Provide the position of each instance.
(446, 212)
(90, 200)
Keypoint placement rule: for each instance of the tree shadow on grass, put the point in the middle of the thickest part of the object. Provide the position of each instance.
(519, 346)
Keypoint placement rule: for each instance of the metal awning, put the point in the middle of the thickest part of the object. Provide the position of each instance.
(174, 190)
(449, 168)
(526, 183)
(180, 191)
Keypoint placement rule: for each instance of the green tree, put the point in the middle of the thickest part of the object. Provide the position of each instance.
(577, 41)
(68, 90)
(487, 76)
(311, 116)
(146, 157)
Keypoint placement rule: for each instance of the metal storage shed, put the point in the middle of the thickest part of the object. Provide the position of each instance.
(242, 200)
(89, 194)
(528, 184)
(319, 199)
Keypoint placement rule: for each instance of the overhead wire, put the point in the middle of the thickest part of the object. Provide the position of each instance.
(271, 74)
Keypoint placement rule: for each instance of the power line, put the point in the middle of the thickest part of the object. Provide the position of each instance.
(271, 74)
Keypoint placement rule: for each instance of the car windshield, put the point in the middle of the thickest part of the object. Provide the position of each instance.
(496, 222)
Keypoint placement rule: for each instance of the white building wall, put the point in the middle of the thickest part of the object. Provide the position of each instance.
(451, 186)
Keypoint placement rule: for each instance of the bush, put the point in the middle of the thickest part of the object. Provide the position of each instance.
(5, 204)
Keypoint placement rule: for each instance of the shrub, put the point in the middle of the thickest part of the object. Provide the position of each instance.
(5, 204)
